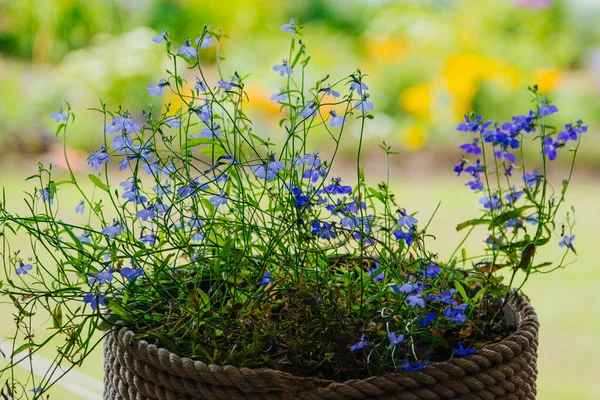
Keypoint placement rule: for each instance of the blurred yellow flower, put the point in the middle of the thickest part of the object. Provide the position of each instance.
(260, 98)
(415, 136)
(386, 51)
(416, 100)
(547, 79)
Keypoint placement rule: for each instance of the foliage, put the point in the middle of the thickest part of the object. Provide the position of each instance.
(225, 248)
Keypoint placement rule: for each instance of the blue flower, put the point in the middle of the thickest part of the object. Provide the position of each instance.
(379, 277)
(132, 273)
(406, 219)
(85, 238)
(173, 122)
(475, 185)
(491, 203)
(432, 270)
(279, 97)
(266, 279)
(547, 109)
(336, 120)
(309, 111)
(192, 188)
(187, 50)
(461, 352)
(337, 188)
(205, 42)
(80, 208)
(157, 89)
(201, 86)
(407, 366)
(428, 320)
(470, 124)
(550, 147)
(112, 230)
(94, 300)
(514, 195)
(472, 148)
(360, 344)
(103, 277)
(59, 116)
(23, 269)
(122, 123)
(269, 171)
(571, 132)
(314, 174)
(567, 241)
(505, 155)
(415, 300)
(290, 27)
(363, 105)
(531, 179)
(324, 230)
(447, 296)
(455, 315)
(147, 213)
(210, 133)
(98, 158)
(148, 239)
(122, 143)
(46, 194)
(219, 200)
(408, 237)
(160, 37)
(395, 339)
(357, 85)
(228, 85)
(283, 68)
(330, 92)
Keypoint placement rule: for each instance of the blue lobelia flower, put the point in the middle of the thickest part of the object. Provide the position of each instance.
(94, 300)
(283, 68)
(363, 105)
(173, 122)
(330, 92)
(279, 97)
(309, 111)
(455, 314)
(505, 155)
(98, 158)
(157, 89)
(461, 352)
(290, 27)
(406, 219)
(132, 273)
(550, 147)
(491, 203)
(219, 200)
(266, 279)
(23, 269)
(46, 194)
(269, 170)
(336, 120)
(80, 208)
(103, 277)
(415, 300)
(201, 86)
(379, 277)
(357, 85)
(547, 109)
(192, 188)
(323, 230)
(395, 339)
(432, 270)
(227, 85)
(531, 179)
(360, 344)
(122, 123)
(112, 230)
(336, 187)
(205, 113)
(472, 148)
(567, 241)
(59, 116)
(160, 37)
(85, 238)
(475, 185)
(187, 50)
(428, 319)
(408, 237)
(149, 239)
(210, 133)
(407, 366)
(147, 213)
(205, 42)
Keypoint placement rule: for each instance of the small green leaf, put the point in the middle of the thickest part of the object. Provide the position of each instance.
(22, 348)
(96, 181)
(472, 222)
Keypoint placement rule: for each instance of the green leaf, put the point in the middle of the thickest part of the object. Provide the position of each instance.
(22, 348)
(472, 222)
(461, 290)
(96, 181)
(298, 55)
(196, 142)
(57, 317)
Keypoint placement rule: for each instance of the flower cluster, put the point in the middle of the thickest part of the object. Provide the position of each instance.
(221, 245)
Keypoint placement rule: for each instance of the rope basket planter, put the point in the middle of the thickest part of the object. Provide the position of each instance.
(136, 370)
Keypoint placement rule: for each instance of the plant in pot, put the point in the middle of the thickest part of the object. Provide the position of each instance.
(214, 263)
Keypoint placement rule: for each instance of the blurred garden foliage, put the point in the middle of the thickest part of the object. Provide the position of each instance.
(428, 61)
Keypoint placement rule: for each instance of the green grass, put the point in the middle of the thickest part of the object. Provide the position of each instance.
(566, 300)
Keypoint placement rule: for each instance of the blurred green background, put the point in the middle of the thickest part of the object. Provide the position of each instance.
(428, 62)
